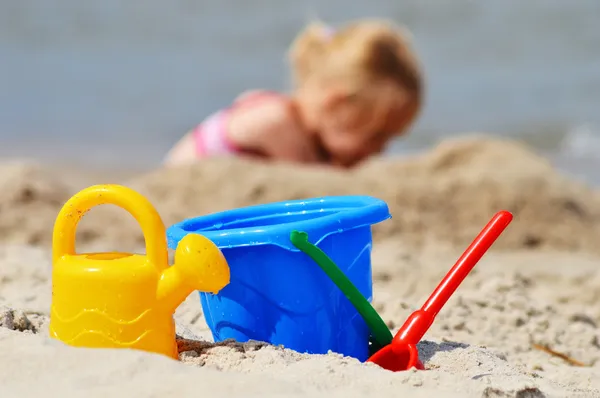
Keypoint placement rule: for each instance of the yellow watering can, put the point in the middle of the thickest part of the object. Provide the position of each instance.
(123, 300)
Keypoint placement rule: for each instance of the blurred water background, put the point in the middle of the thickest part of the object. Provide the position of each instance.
(115, 83)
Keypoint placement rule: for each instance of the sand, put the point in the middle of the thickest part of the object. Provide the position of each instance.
(539, 286)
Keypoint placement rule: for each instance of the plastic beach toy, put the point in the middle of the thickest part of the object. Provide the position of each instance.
(379, 330)
(402, 354)
(123, 300)
(277, 294)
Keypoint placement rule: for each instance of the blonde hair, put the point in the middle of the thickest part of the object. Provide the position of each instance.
(360, 51)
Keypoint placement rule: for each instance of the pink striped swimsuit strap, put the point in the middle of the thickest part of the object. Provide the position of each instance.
(211, 136)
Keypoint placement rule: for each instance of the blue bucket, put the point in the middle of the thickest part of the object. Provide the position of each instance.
(277, 294)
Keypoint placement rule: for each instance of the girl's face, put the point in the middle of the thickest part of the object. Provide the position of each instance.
(351, 126)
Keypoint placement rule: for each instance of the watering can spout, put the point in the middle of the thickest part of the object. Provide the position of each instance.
(199, 265)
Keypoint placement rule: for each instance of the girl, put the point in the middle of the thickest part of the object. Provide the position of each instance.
(355, 89)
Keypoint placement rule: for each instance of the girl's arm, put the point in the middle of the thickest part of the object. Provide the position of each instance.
(183, 152)
(272, 130)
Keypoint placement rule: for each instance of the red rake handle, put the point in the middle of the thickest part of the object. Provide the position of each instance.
(419, 322)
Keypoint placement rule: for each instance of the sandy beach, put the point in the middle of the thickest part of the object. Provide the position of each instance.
(524, 324)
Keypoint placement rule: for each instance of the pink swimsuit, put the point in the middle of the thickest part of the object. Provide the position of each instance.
(211, 136)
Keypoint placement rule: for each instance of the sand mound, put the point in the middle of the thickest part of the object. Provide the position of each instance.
(451, 192)
(29, 199)
(446, 194)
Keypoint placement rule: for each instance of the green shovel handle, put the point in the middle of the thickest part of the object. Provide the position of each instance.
(379, 331)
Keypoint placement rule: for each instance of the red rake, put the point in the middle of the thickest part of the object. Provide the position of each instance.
(402, 353)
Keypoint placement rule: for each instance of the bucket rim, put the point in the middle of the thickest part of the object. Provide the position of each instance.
(346, 212)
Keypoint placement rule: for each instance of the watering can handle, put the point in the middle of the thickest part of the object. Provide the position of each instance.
(65, 227)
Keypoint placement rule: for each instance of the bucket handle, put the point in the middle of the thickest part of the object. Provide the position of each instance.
(65, 227)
